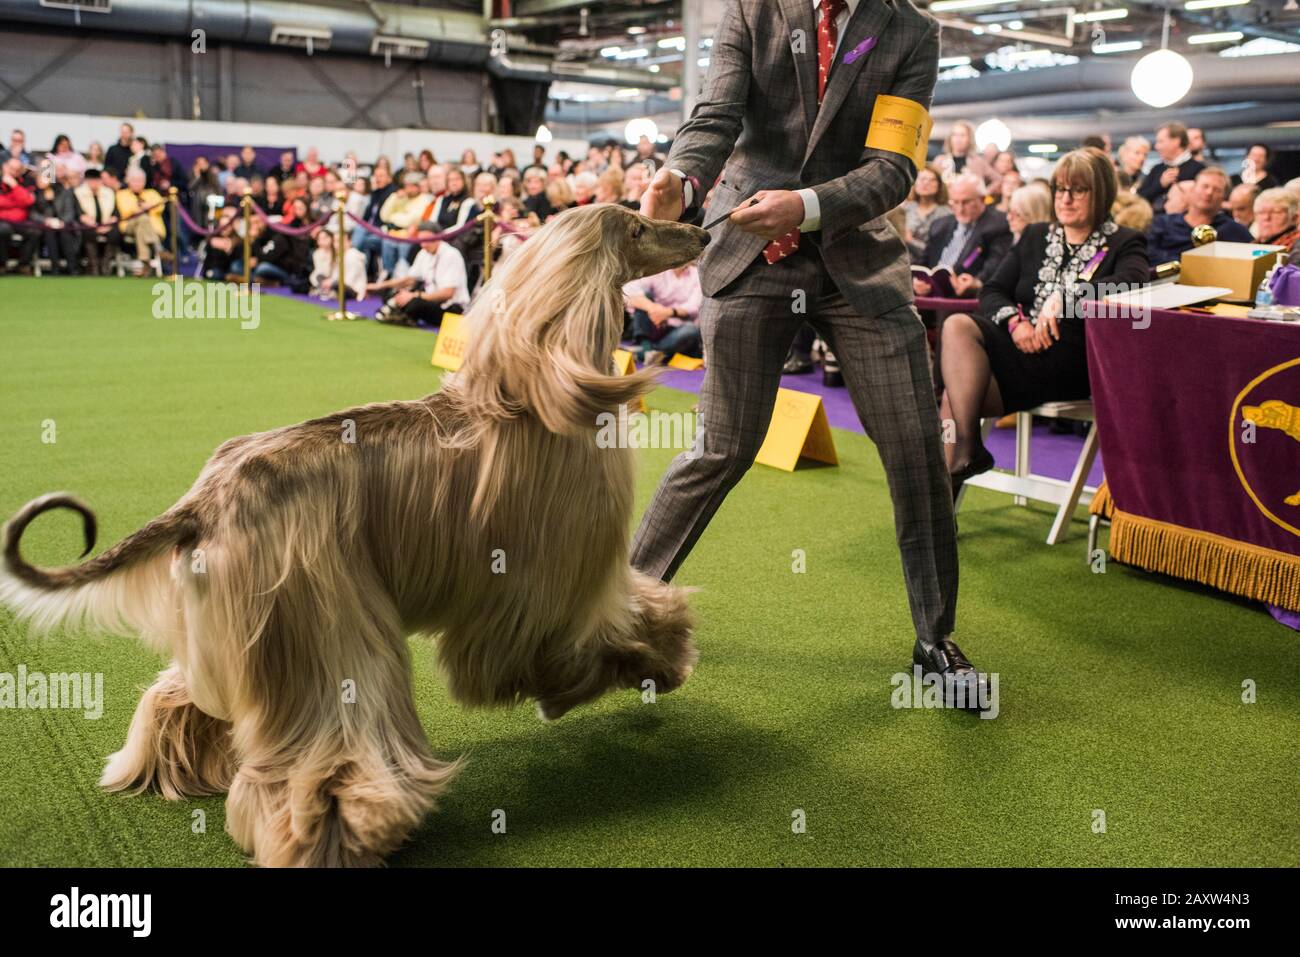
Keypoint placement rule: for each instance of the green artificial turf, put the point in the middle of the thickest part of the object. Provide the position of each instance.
(1119, 691)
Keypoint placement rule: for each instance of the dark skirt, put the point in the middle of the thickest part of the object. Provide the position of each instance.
(1029, 379)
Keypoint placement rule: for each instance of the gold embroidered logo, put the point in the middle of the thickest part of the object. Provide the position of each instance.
(1264, 442)
(1276, 414)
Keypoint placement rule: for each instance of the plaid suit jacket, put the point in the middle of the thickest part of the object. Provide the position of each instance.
(758, 116)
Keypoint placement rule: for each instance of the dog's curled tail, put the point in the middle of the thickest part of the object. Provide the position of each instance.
(88, 594)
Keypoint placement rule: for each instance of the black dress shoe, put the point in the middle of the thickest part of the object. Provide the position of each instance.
(978, 465)
(945, 658)
(797, 365)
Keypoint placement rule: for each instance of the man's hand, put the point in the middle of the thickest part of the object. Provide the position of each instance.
(663, 200)
(773, 214)
(921, 287)
(402, 298)
(658, 314)
(1169, 177)
(964, 283)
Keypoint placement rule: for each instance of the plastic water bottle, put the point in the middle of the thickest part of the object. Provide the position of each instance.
(1264, 295)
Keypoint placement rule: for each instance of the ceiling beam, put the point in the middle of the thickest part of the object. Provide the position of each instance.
(1209, 20)
(535, 8)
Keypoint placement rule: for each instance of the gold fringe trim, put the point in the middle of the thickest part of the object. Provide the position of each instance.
(1102, 503)
(1239, 568)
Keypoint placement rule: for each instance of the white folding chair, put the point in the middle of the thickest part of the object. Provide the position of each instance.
(1023, 484)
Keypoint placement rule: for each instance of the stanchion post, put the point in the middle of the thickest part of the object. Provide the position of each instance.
(342, 250)
(247, 205)
(172, 200)
(488, 218)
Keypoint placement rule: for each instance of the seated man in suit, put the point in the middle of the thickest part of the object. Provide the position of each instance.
(98, 204)
(1171, 234)
(974, 238)
(1177, 164)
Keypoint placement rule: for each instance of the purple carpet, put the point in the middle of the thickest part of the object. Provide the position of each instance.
(1049, 454)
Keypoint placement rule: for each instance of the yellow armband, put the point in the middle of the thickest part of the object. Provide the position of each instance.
(900, 126)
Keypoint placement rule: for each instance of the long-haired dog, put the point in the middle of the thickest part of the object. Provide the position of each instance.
(285, 582)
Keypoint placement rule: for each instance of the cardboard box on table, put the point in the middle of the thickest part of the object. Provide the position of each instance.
(1239, 266)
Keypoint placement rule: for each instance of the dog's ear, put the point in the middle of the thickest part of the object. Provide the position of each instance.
(544, 333)
(567, 397)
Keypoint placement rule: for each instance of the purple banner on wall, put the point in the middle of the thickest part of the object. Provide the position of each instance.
(184, 155)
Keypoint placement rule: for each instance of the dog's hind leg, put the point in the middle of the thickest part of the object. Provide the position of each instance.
(172, 746)
(334, 769)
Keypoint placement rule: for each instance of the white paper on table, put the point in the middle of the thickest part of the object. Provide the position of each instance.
(1169, 296)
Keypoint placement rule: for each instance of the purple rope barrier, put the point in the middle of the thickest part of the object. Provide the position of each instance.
(195, 228)
(507, 227)
(307, 230)
(413, 240)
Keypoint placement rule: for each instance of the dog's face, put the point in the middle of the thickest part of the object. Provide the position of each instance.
(648, 246)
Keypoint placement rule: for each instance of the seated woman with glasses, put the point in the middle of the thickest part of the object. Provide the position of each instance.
(1026, 345)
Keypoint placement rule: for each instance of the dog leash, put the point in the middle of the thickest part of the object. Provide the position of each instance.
(728, 216)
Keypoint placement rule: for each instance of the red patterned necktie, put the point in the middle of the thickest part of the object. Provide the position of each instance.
(827, 36)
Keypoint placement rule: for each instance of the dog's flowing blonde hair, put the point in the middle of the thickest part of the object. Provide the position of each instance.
(283, 584)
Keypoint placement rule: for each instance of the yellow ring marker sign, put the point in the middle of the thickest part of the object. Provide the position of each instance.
(453, 337)
(901, 126)
(625, 364)
(799, 429)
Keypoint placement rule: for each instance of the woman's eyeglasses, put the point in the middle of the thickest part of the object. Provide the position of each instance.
(1075, 192)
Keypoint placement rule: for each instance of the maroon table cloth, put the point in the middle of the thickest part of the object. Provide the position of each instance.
(1199, 422)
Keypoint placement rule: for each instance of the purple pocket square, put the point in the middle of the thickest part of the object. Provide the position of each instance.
(861, 50)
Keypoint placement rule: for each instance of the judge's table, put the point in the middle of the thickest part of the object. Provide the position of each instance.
(1198, 413)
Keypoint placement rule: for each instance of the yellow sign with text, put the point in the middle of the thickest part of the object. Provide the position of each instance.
(900, 126)
(453, 338)
(625, 364)
(799, 429)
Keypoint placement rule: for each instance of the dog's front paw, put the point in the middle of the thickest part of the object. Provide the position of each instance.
(550, 711)
(670, 676)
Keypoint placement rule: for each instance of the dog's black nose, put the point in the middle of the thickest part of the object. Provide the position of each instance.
(705, 236)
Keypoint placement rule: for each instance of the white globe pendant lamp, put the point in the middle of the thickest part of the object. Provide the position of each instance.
(1164, 77)
(993, 132)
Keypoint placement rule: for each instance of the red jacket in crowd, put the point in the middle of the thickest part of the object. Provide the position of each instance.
(15, 201)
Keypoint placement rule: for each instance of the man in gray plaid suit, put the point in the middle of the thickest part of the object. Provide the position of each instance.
(803, 103)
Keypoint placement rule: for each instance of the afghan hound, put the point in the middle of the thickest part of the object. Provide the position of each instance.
(284, 583)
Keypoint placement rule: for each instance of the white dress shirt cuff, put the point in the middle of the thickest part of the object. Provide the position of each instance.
(812, 211)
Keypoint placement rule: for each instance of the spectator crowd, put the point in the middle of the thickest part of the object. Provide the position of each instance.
(415, 237)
